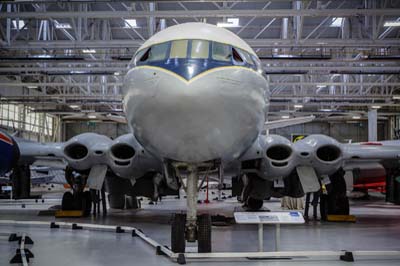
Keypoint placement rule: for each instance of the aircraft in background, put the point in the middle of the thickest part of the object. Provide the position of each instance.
(196, 102)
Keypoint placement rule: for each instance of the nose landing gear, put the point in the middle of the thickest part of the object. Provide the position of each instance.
(191, 227)
(78, 200)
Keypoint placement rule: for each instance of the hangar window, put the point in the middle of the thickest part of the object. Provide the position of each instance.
(178, 49)
(200, 49)
(221, 52)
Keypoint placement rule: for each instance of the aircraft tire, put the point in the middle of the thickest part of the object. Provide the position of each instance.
(178, 233)
(67, 202)
(254, 204)
(204, 233)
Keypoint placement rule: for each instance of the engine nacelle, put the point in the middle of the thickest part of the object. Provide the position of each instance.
(85, 150)
(279, 157)
(128, 159)
(322, 152)
(9, 153)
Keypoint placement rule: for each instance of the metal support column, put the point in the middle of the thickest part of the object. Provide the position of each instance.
(372, 125)
(277, 236)
(260, 237)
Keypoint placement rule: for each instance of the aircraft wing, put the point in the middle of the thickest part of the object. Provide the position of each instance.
(124, 156)
(288, 122)
(274, 157)
(372, 150)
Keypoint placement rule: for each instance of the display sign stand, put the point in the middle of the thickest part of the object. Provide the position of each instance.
(274, 218)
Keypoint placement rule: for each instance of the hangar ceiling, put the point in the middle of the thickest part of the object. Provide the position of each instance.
(324, 57)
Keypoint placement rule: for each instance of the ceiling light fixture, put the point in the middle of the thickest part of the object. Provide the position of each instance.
(230, 23)
(88, 51)
(130, 24)
(394, 23)
(61, 25)
(337, 22)
(18, 24)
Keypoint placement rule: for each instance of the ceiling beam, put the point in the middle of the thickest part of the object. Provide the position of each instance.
(274, 13)
(255, 43)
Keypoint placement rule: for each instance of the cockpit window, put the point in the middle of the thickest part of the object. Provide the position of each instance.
(257, 62)
(200, 49)
(210, 54)
(179, 49)
(237, 59)
(221, 52)
(140, 56)
(157, 52)
(143, 55)
(246, 56)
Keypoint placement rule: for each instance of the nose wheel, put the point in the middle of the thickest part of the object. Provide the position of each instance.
(180, 233)
(191, 227)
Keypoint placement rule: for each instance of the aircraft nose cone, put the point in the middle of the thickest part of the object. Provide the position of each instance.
(195, 121)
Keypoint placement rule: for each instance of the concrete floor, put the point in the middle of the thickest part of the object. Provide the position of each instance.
(377, 228)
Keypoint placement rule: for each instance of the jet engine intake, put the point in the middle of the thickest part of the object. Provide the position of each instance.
(279, 153)
(328, 153)
(76, 151)
(122, 153)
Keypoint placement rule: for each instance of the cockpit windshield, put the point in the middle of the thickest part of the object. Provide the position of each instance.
(206, 54)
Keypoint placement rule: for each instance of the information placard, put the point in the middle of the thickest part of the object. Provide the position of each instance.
(292, 217)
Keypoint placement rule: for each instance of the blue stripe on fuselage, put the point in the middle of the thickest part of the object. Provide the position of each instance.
(189, 68)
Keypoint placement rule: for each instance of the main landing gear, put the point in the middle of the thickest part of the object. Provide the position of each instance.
(79, 199)
(254, 192)
(190, 226)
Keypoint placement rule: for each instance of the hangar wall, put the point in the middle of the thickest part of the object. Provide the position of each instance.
(341, 131)
(110, 129)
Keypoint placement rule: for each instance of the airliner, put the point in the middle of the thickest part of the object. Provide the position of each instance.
(196, 102)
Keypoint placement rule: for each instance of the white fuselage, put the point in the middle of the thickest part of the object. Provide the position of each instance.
(217, 114)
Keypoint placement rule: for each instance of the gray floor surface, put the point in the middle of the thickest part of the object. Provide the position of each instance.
(377, 228)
